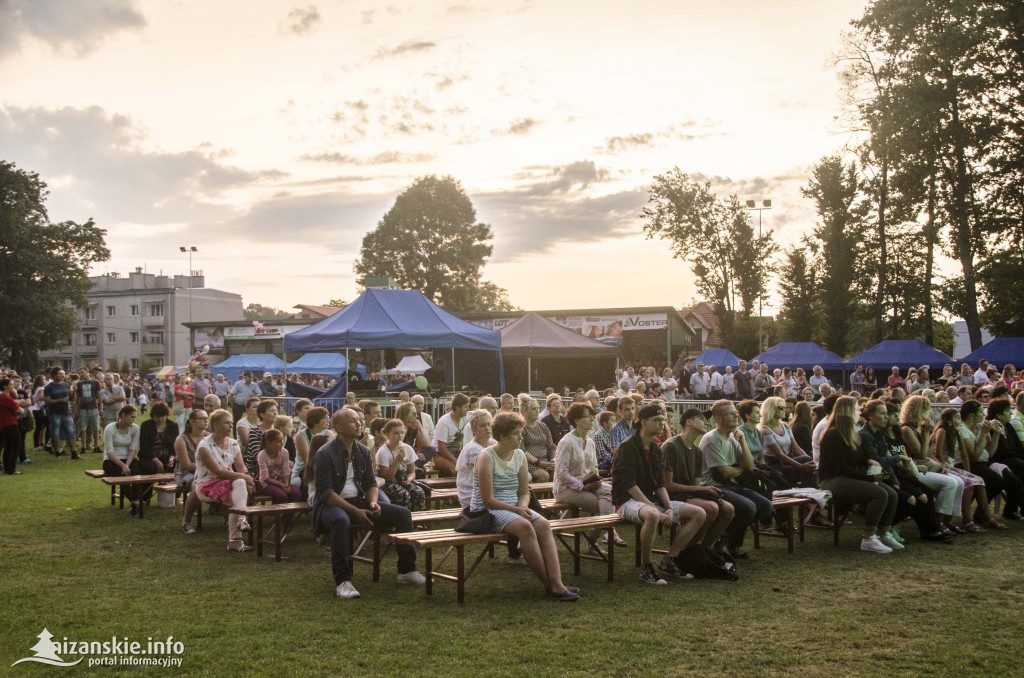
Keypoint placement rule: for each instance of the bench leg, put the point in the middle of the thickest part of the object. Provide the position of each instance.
(257, 536)
(428, 565)
(802, 515)
(460, 583)
(790, 528)
(611, 553)
(755, 527)
(113, 496)
(199, 515)
(576, 554)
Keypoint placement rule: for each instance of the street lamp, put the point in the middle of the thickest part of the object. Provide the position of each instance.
(191, 249)
(765, 205)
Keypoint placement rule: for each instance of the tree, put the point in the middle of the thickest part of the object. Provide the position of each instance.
(834, 187)
(45, 265)
(337, 303)
(261, 312)
(430, 241)
(798, 315)
(717, 238)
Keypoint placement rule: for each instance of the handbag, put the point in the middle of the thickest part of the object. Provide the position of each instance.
(475, 522)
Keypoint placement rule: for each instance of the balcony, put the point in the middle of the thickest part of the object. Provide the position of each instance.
(154, 320)
(87, 349)
(89, 323)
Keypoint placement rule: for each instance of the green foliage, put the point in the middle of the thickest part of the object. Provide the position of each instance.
(798, 287)
(44, 266)
(835, 188)
(337, 303)
(261, 312)
(1000, 278)
(430, 241)
(717, 238)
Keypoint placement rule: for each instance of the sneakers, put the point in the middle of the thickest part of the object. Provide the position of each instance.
(892, 543)
(649, 576)
(617, 540)
(413, 577)
(188, 528)
(346, 590)
(669, 567)
(874, 545)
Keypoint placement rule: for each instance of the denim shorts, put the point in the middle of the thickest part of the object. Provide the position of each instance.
(630, 511)
(62, 427)
(503, 518)
(89, 419)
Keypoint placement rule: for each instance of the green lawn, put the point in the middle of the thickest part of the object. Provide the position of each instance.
(87, 571)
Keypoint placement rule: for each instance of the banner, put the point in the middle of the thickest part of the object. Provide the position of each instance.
(604, 328)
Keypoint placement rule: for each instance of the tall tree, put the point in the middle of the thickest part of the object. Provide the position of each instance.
(799, 313)
(716, 237)
(44, 266)
(430, 241)
(261, 312)
(834, 188)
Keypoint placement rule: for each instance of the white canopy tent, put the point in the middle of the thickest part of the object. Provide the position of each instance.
(410, 364)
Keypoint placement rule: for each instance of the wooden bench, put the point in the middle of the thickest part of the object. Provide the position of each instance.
(254, 500)
(437, 483)
(99, 473)
(424, 519)
(439, 498)
(284, 517)
(797, 507)
(457, 541)
(142, 481)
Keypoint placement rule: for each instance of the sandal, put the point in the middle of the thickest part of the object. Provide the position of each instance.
(974, 529)
(993, 525)
(243, 525)
(238, 546)
(188, 528)
(955, 529)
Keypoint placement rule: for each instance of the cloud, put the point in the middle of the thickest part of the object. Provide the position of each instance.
(384, 158)
(404, 48)
(75, 27)
(302, 20)
(106, 172)
(618, 144)
(521, 126)
(334, 219)
(579, 175)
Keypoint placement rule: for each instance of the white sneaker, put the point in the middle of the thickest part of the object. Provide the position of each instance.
(874, 545)
(892, 543)
(413, 577)
(346, 590)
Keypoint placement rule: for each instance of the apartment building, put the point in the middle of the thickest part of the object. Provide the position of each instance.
(139, 319)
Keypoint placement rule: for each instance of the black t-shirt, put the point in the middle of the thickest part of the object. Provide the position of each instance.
(88, 394)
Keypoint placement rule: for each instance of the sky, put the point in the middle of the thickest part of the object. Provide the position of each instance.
(273, 136)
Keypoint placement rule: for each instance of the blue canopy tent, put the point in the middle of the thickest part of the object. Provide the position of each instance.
(805, 354)
(330, 364)
(901, 353)
(405, 319)
(999, 352)
(719, 357)
(234, 367)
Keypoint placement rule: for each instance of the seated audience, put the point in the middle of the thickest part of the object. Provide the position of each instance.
(221, 476)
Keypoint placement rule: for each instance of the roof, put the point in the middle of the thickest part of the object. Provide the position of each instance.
(998, 352)
(258, 363)
(704, 312)
(805, 354)
(331, 364)
(323, 311)
(536, 336)
(901, 353)
(382, 318)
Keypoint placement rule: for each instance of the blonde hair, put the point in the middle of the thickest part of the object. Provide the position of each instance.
(283, 423)
(770, 408)
(914, 409)
(844, 420)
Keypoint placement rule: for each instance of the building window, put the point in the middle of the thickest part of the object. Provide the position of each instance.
(90, 313)
(154, 338)
(133, 337)
(135, 309)
(134, 363)
(111, 310)
(111, 337)
(156, 310)
(89, 339)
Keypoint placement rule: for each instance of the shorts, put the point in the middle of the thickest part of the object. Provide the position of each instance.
(89, 420)
(62, 427)
(502, 518)
(630, 511)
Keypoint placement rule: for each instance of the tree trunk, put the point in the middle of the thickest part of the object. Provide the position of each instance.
(883, 199)
(962, 224)
(930, 238)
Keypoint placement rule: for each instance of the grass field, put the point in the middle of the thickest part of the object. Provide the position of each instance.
(88, 572)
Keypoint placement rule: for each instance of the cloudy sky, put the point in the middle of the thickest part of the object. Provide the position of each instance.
(273, 135)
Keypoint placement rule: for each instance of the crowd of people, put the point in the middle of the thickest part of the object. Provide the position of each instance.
(886, 449)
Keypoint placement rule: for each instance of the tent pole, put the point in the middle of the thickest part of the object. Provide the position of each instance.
(529, 374)
(453, 369)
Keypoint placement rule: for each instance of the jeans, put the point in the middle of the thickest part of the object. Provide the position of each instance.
(336, 523)
(749, 506)
(879, 499)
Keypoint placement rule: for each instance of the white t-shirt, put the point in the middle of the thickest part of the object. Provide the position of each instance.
(385, 457)
(816, 435)
(716, 381)
(980, 377)
(465, 465)
(428, 424)
(447, 431)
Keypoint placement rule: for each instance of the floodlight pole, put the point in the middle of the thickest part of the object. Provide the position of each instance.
(765, 205)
